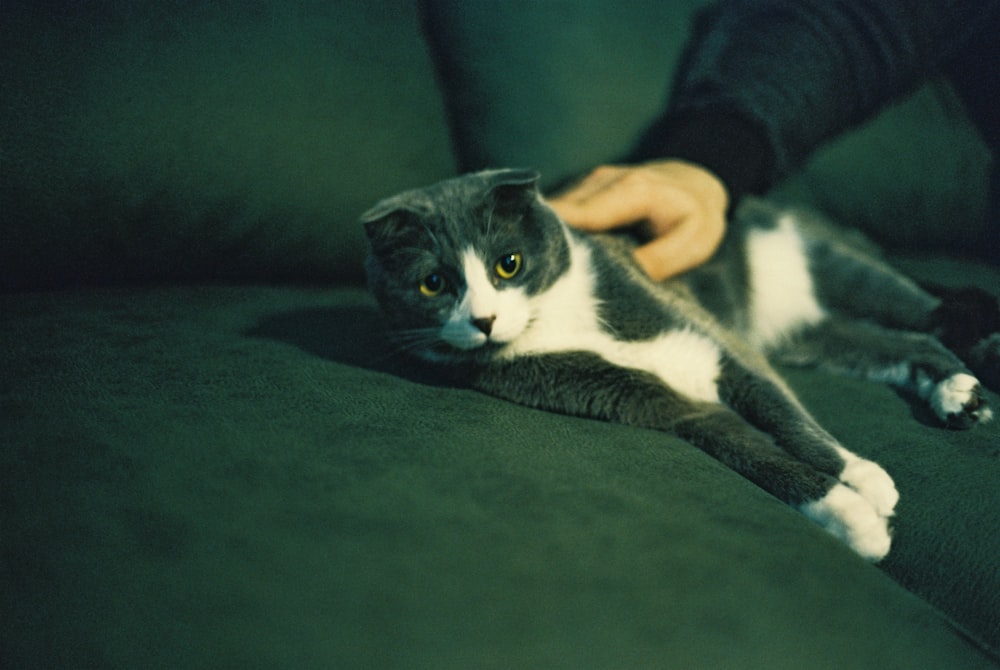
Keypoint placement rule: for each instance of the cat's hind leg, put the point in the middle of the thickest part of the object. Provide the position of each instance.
(850, 279)
(967, 321)
(915, 362)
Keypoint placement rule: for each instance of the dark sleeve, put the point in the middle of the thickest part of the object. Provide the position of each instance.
(764, 82)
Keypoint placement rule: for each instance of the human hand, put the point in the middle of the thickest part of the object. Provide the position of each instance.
(683, 205)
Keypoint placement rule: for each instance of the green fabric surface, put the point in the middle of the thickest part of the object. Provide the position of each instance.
(207, 476)
(234, 139)
(249, 477)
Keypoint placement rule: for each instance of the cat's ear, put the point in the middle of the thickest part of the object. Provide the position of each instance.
(514, 191)
(386, 222)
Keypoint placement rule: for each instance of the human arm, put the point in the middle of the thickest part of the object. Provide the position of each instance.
(763, 83)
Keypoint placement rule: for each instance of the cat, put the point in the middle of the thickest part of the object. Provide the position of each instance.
(478, 274)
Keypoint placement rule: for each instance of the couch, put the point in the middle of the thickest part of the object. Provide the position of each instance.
(211, 457)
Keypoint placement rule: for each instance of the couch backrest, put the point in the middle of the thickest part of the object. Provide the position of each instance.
(240, 139)
(237, 139)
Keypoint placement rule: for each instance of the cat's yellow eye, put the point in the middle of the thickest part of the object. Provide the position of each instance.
(508, 266)
(432, 285)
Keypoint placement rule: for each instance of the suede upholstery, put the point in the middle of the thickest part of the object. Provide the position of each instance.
(210, 457)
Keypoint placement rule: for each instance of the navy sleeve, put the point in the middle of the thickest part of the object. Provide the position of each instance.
(764, 82)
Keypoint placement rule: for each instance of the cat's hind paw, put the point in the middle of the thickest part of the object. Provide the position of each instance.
(959, 402)
(849, 517)
(984, 360)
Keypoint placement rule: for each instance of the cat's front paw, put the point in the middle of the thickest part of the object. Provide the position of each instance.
(873, 484)
(959, 403)
(849, 517)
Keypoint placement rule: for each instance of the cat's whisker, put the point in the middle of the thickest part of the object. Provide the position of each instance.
(411, 339)
(403, 343)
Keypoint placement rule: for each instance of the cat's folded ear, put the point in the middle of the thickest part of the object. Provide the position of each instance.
(513, 190)
(514, 177)
(386, 222)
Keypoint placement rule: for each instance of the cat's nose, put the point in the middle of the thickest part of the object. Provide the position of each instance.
(484, 324)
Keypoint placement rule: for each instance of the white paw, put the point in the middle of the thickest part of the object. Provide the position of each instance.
(846, 515)
(958, 401)
(873, 484)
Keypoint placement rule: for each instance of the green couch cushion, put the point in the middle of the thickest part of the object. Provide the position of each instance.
(235, 139)
(251, 477)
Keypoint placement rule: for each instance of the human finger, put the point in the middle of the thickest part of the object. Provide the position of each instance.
(610, 199)
(690, 242)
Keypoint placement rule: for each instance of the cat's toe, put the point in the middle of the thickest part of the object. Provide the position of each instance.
(959, 403)
(873, 484)
(849, 517)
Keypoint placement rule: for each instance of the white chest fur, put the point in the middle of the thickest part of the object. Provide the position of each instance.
(565, 318)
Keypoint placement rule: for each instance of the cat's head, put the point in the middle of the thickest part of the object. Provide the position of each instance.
(455, 265)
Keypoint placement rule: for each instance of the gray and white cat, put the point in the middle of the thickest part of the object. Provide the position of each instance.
(477, 273)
